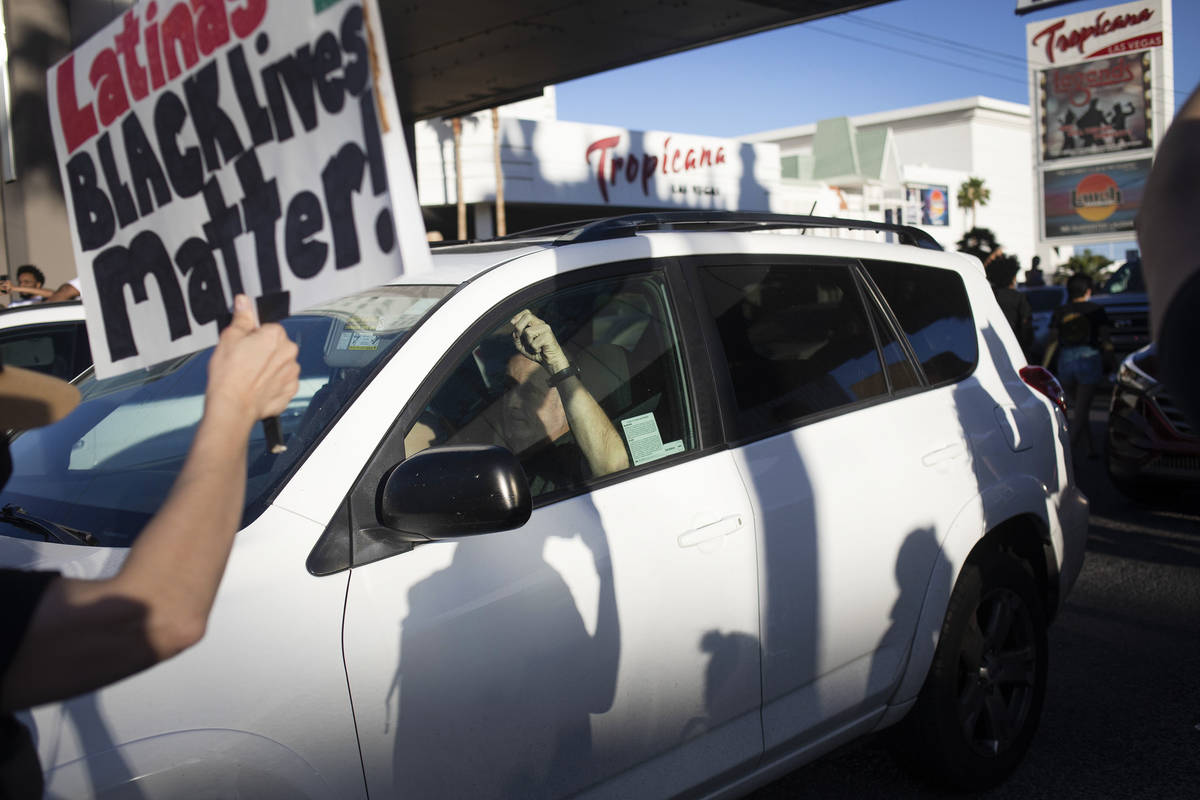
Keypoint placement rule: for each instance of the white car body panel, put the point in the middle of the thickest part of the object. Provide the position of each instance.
(276, 692)
(41, 313)
(848, 548)
(449, 648)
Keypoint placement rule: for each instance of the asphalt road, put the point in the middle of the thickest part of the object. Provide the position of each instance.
(1122, 713)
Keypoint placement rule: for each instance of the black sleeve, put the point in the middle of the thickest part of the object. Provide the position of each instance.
(20, 592)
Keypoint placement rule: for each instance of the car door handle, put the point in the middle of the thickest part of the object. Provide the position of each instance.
(713, 530)
(947, 453)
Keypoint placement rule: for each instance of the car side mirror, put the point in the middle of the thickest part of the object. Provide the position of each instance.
(451, 492)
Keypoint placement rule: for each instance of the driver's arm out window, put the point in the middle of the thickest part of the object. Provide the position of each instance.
(629, 405)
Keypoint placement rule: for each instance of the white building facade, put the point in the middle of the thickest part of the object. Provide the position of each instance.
(899, 166)
(555, 171)
(907, 165)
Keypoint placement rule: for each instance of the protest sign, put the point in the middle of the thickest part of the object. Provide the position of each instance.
(211, 147)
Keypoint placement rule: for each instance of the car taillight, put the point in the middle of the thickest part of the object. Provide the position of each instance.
(1044, 381)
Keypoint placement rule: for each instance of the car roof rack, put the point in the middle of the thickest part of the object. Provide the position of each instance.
(725, 221)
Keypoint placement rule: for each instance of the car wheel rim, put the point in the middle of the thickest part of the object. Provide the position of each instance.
(997, 673)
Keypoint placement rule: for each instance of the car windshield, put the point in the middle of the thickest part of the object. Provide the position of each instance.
(107, 467)
(1127, 278)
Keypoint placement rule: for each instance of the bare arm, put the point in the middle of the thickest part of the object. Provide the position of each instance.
(64, 292)
(8, 286)
(598, 439)
(158, 604)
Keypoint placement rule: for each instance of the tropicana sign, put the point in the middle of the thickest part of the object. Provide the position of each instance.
(1120, 29)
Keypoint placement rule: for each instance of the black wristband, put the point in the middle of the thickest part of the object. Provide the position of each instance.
(570, 371)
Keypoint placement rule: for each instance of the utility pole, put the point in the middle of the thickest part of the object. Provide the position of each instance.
(501, 225)
(458, 181)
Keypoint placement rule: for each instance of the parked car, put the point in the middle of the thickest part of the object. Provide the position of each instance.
(1043, 300)
(835, 504)
(46, 337)
(1153, 451)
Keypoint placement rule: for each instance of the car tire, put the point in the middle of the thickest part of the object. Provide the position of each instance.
(982, 699)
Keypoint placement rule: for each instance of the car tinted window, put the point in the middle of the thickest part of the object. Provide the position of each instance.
(1127, 278)
(932, 307)
(796, 339)
(620, 334)
(59, 349)
(901, 372)
(107, 467)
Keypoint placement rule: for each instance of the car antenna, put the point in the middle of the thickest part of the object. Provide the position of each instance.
(810, 213)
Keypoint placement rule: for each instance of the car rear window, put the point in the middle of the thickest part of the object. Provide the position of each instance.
(931, 306)
(797, 340)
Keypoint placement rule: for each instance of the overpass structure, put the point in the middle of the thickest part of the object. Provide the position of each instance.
(451, 57)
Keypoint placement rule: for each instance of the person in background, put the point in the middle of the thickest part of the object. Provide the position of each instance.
(1079, 334)
(1169, 238)
(68, 291)
(28, 277)
(1002, 274)
(158, 604)
(1035, 276)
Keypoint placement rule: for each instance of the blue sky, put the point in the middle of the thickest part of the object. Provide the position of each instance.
(898, 54)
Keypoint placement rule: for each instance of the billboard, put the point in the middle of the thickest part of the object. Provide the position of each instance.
(1095, 200)
(1102, 84)
(1096, 107)
(573, 163)
(1126, 28)
(928, 205)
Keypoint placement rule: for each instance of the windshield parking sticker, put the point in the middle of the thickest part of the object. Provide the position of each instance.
(358, 340)
(645, 441)
(209, 148)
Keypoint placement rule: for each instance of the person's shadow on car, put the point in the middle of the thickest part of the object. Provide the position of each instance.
(530, 703)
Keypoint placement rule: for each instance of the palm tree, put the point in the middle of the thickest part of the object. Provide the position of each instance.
(973, 194)
(1091, 264)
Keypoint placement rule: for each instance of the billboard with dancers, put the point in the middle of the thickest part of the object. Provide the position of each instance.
(1096, 107)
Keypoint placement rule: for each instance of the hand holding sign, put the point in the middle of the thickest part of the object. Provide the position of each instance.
(253, 373)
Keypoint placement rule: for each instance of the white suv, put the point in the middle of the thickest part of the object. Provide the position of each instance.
(658, 504)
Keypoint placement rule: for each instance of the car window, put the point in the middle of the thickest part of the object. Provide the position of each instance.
(634, 408)
(901, 372)
(107, 467)
(59, 349)
(796, 339)
(1127, 278)
(931, 306)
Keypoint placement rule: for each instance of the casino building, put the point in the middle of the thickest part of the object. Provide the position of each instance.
(904, 165)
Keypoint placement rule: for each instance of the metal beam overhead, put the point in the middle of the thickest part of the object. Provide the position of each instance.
(452, 57)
